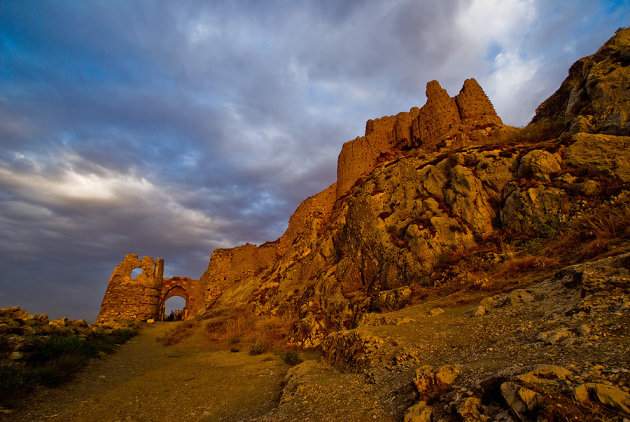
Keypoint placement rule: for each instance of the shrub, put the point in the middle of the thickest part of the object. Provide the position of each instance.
(256, 349)
(47, 348)
(291, 357)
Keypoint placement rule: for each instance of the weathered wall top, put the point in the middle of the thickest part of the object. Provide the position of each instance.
(441, 120)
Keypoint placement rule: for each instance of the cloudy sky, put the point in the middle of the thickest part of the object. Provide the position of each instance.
(172, 128)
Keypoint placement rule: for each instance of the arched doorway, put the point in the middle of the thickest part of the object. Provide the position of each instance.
(178, 294)
(174, 308)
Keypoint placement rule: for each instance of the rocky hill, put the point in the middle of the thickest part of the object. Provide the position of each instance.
(441, 181)
(441, 207)
(459, 269)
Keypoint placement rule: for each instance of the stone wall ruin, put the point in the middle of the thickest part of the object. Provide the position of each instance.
(143, 297)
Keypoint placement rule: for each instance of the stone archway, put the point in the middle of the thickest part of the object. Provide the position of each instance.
(190, 290)
(175, 291)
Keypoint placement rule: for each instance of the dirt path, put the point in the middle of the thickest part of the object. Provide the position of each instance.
(146, 381)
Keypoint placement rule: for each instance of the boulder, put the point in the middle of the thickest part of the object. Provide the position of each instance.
(539, 164)
(431, 382)
(606, 394)
(598, 153)
(521, 400)
(543, 374)
(536, 210)
(419, 412)
(471, 409)
(555, 335)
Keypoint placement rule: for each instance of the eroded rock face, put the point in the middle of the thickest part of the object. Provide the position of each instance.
(594, 97)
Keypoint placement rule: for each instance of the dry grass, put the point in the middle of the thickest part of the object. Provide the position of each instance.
(179, 333)
(242, 327)
(498, 262)
(540, 131)
(592, 234)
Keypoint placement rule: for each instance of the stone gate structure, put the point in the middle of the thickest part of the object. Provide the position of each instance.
(144, 296)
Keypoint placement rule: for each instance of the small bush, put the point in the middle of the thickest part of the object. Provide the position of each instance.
(48, 348)
(291, 357)
(256, 349)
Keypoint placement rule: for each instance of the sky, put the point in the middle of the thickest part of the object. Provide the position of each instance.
(170, 129)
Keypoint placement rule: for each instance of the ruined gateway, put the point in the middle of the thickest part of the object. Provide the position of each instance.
(443, 122)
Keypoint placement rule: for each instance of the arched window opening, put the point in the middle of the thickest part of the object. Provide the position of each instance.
(174, 308)
(135, 272)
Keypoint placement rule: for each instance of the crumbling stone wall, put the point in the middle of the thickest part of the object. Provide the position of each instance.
(311, 215)
(135, 298)
(467, 118)
(439, 118)
(474, 106)
(227, 266)
(143, 296)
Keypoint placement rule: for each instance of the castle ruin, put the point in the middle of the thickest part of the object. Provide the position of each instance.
(444, 122)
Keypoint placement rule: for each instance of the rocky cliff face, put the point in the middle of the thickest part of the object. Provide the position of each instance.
(594, 97)
(427, 184)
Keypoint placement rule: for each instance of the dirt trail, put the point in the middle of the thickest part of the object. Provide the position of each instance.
(146, 381)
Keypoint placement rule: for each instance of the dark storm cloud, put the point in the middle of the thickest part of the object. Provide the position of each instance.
(173, 128)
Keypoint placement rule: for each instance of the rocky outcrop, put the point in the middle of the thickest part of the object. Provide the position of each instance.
(594, 97)
(406, 199)
(19, 330)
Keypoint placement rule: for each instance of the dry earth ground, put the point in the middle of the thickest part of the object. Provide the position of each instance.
(146, 381)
